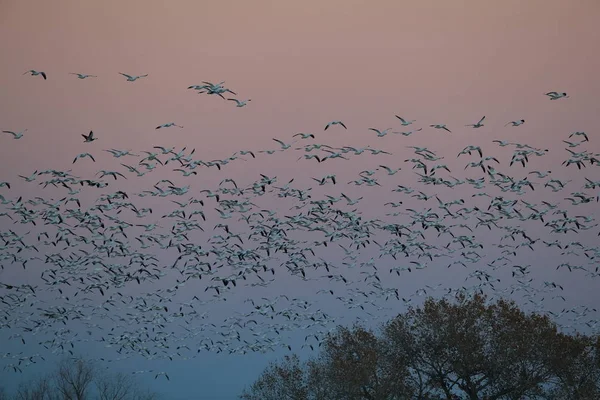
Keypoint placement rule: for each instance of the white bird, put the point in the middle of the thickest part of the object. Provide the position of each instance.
(380, 133)
(82, 76)
(409, 132)
(556, 95)
(335, 123)
(573, 144)
(33, 72)
(83, 155)
(284, 146)
(240, 103)
(580, 134)
(16, 135)
(404, 121)
(185, 173)
(516, 123)
(441, 126)
(304, 135)
(541, 174)
(244, 152)
(478, 124)
(168, 124)
(389, 170)
(133, 78)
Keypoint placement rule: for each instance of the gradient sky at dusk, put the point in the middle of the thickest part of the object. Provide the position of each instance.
(303, 64)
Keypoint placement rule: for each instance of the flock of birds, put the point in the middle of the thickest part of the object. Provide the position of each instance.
(125, 271)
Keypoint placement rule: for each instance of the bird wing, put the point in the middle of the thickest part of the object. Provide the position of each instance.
(342, 124)
(481, 120)
(125, 75)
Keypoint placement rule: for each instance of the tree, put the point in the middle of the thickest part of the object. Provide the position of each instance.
(41, 389)
(285, 381)
(116, 386)
(467, 349)
(80, 380)
(74, 379)
(119, 386)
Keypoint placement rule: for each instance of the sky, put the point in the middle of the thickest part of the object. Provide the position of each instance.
(302, 64)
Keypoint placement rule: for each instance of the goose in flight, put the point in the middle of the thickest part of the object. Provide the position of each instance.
(585, 137)
(244, 152)
(89, 138)
(30, 178)
(83, 155)
(389, 170)
(440, 126)
(168, 125)
(516, 123)
(573, 144)
(111, 173)
(478, 124)
(556, 95)
(334, 123)
(284, 146)
(121, 153)
(164, 150)
(185, 173)
(469, 149)
(82, 76)
(304, 135)
(33, 72)
(380, 133)
(16, 135)
(133, 78)
(409, 132)
(240, 103)
(405, 122)
(541, 174)
(162, 373)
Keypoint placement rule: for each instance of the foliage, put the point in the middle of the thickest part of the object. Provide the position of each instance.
(467, 349)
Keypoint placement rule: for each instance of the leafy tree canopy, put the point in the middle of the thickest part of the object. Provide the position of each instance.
(467, 349)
